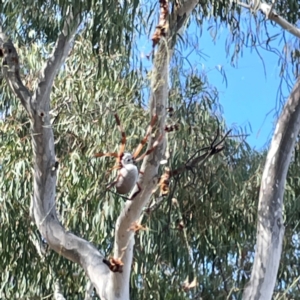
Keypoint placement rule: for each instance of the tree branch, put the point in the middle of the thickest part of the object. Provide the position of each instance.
(11, 70)
(58, 295)
(60, 53)
(270, 228)
(271, 14)
(88, 291)
(124, 238)
(45, 166)
(187, 7)
(194, 161)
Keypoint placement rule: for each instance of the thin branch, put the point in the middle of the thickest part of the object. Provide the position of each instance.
(213, 149)
(42, 208)
(154, 206)
(11, 70)
(225, 286)
(191, 163)
(60, 52)
(89, 291)
(272, 15)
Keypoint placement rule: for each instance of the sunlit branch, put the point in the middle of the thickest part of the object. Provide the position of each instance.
(271, 14)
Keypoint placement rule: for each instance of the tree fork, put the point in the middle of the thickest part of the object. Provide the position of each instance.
(37, 106)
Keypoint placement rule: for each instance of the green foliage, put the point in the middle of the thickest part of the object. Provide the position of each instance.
(108, 25)
(204, 229)
(182, 236)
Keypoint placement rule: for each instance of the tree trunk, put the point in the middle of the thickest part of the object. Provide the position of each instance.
(109, 285)
(270, 227)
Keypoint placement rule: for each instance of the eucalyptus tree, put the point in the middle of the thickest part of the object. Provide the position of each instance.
(199, 239)
(111, 276)
(270, 223)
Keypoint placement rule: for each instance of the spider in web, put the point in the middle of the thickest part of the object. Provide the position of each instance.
(128, 173)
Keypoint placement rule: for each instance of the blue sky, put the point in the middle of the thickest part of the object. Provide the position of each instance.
(250, 98)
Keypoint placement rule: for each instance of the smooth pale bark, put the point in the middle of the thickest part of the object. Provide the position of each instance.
(124, 238)
(37, 106)
(109, 285)
(270, 228)
(57, 292)
(271, 14)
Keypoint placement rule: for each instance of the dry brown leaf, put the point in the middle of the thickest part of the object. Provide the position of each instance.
(136, 226)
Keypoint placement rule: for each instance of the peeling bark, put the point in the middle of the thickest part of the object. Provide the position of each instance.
(109, 285)
(132, 211)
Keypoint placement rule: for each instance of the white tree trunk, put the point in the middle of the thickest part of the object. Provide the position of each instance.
(43, 201)
(109, 285)
(118, 287)
(270, 227)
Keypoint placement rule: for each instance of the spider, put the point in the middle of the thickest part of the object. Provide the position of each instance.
(214, 148)
(128, 172)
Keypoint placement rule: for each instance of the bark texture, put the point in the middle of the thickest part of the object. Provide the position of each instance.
(37, 105)
(109, 285)
(132, 211)
(270, 227)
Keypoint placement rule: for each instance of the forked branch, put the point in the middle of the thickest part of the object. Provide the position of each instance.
(45, 165)
(60, 53)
